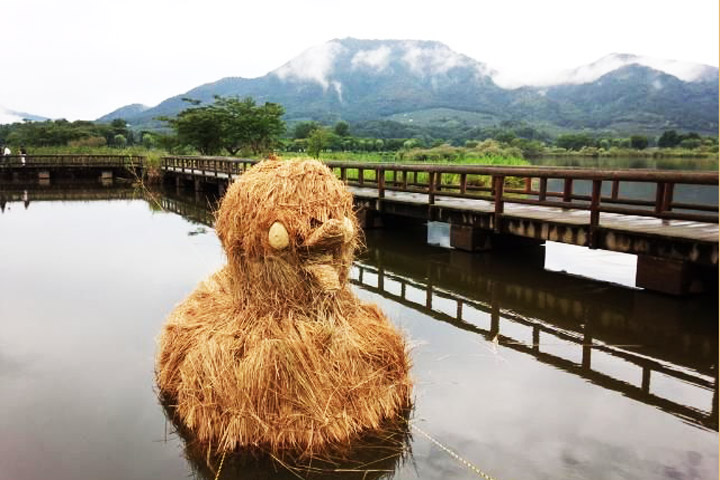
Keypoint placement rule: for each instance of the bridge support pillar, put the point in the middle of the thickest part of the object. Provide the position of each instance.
(368, 218)
(674, 277)
(198, 185)
(221, 188)
(470, 239)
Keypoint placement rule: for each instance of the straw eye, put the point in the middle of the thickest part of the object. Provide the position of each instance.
(349, 229)
(278, 236)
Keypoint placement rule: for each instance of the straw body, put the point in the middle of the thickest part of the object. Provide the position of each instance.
(274, 352)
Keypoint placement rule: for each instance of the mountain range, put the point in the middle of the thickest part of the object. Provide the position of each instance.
(425, 83)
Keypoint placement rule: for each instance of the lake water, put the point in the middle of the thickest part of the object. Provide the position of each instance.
(521, 371)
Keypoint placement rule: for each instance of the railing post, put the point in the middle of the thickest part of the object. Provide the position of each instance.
(431, 187)
(343, 174)
(543, 189)
(615, 189)
(404, 179)
(594, 213)
(361, 176)
(668, 197)
(380, 176)
(498, 185)
(463, 183)
(567, 190)
(528, 184)
(659, 197)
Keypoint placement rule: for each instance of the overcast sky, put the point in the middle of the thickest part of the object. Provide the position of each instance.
(85, 58)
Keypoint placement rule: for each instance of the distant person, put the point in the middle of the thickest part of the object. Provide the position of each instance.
(7, 151)
(23, 153)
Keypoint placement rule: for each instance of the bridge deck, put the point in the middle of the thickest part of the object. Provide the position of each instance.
(696, 231)
(681, 229)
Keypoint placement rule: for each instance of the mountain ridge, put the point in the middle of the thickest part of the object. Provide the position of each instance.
(360, 80)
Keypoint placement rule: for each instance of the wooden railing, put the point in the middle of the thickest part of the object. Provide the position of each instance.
(497, 184)
(71, 161)
(509, 184)
(207, 166)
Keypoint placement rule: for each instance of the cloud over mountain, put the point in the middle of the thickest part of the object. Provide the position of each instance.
(362, 80)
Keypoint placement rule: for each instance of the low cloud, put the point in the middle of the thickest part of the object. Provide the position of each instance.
(315, 64)
(378, 59)
(434, 60)
(686, 71)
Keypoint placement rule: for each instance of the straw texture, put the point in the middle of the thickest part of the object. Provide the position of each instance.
(274, 352)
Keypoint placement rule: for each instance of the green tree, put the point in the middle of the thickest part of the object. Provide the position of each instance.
(305, 129)
(120, 141)
(669, 139)
(230, 123)
(198, 126)
(317, 142)
(574, 141)
(342, 129)
(638, 142)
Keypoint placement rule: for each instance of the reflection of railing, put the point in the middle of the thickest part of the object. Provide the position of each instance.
(60, 195)
(196, 212)
(430, 296)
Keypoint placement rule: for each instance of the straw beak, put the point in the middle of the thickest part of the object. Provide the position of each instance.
(329, 234)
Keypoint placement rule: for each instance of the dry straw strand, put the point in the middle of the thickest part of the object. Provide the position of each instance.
(274, 352)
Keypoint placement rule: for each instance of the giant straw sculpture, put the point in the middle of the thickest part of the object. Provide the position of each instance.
(273, 352)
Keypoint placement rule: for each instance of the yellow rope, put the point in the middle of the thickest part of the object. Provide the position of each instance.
(222, 460)
(454, 455)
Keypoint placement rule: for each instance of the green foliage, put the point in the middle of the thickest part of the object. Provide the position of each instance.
(639, 142)
(231, 124)
(149, 140)
(342, 129)
(669, 139)
(88, 142)
(61, 132)
(304, 129)
(690, 143)
(574, 141)
(120, 141)
(318, 141)
(199, 127)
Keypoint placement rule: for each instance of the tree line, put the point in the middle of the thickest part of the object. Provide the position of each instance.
(232, 125)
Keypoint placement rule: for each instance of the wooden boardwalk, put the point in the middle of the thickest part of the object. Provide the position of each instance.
(488, 205)
(691, 230)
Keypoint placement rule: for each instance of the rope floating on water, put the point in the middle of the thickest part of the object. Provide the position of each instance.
(454, 455)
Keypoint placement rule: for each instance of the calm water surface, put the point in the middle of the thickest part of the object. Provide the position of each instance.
(522, 371)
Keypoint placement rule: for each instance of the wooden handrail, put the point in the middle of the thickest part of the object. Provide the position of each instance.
(455, 181)
(433, 180)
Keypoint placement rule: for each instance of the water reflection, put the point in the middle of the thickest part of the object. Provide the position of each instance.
(534, 311)
(523, 372)
(375, 455)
